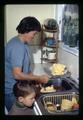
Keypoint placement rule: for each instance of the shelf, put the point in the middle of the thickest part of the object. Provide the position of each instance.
(45, 44)
(46, 59)
(48, 30)
(52, 46)
(52, 31)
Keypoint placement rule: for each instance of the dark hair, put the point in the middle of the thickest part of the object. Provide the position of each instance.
(22, 88)
(28, 24)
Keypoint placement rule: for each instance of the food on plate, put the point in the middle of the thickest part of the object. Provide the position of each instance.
(48, 89)
(66, 105)
(58, 69)
(50, 106)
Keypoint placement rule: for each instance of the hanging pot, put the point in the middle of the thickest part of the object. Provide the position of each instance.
(51, 24)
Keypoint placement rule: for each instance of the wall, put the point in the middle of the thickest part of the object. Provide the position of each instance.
(70, 60)
(14, 13)
(59, 11)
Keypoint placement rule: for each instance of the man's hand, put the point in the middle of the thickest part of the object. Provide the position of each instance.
(43, 79)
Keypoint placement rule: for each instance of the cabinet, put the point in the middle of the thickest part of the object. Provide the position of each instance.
(49, 45)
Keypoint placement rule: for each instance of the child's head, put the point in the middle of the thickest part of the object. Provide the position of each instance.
(24, 93)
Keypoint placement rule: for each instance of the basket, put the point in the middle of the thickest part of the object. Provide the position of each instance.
(56, 99)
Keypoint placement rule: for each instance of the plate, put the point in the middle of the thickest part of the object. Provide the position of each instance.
(47, 91)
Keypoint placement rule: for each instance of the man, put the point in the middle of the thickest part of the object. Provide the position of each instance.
(17, 58)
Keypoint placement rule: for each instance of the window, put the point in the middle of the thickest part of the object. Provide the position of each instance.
(68, 20)
(70, 26)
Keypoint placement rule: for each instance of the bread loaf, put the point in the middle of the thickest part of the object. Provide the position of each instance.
(50, 106)
(66, 105)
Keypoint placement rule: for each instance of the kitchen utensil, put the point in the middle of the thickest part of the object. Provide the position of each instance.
(53, 81)
(56, 80)
(57, 99)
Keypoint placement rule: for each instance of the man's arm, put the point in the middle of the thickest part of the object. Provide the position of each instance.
(19, 75)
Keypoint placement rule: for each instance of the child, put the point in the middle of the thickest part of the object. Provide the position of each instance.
(25, 97)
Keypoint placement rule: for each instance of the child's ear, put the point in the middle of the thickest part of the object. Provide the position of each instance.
(20, 99)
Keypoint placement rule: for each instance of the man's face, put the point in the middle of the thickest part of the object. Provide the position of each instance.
(29, 36)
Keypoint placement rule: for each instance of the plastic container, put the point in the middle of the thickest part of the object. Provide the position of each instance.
(50, 41)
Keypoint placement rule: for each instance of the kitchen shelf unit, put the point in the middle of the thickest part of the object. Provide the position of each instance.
(54, 47)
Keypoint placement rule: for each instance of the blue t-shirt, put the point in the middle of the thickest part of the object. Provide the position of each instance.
(16, 55)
